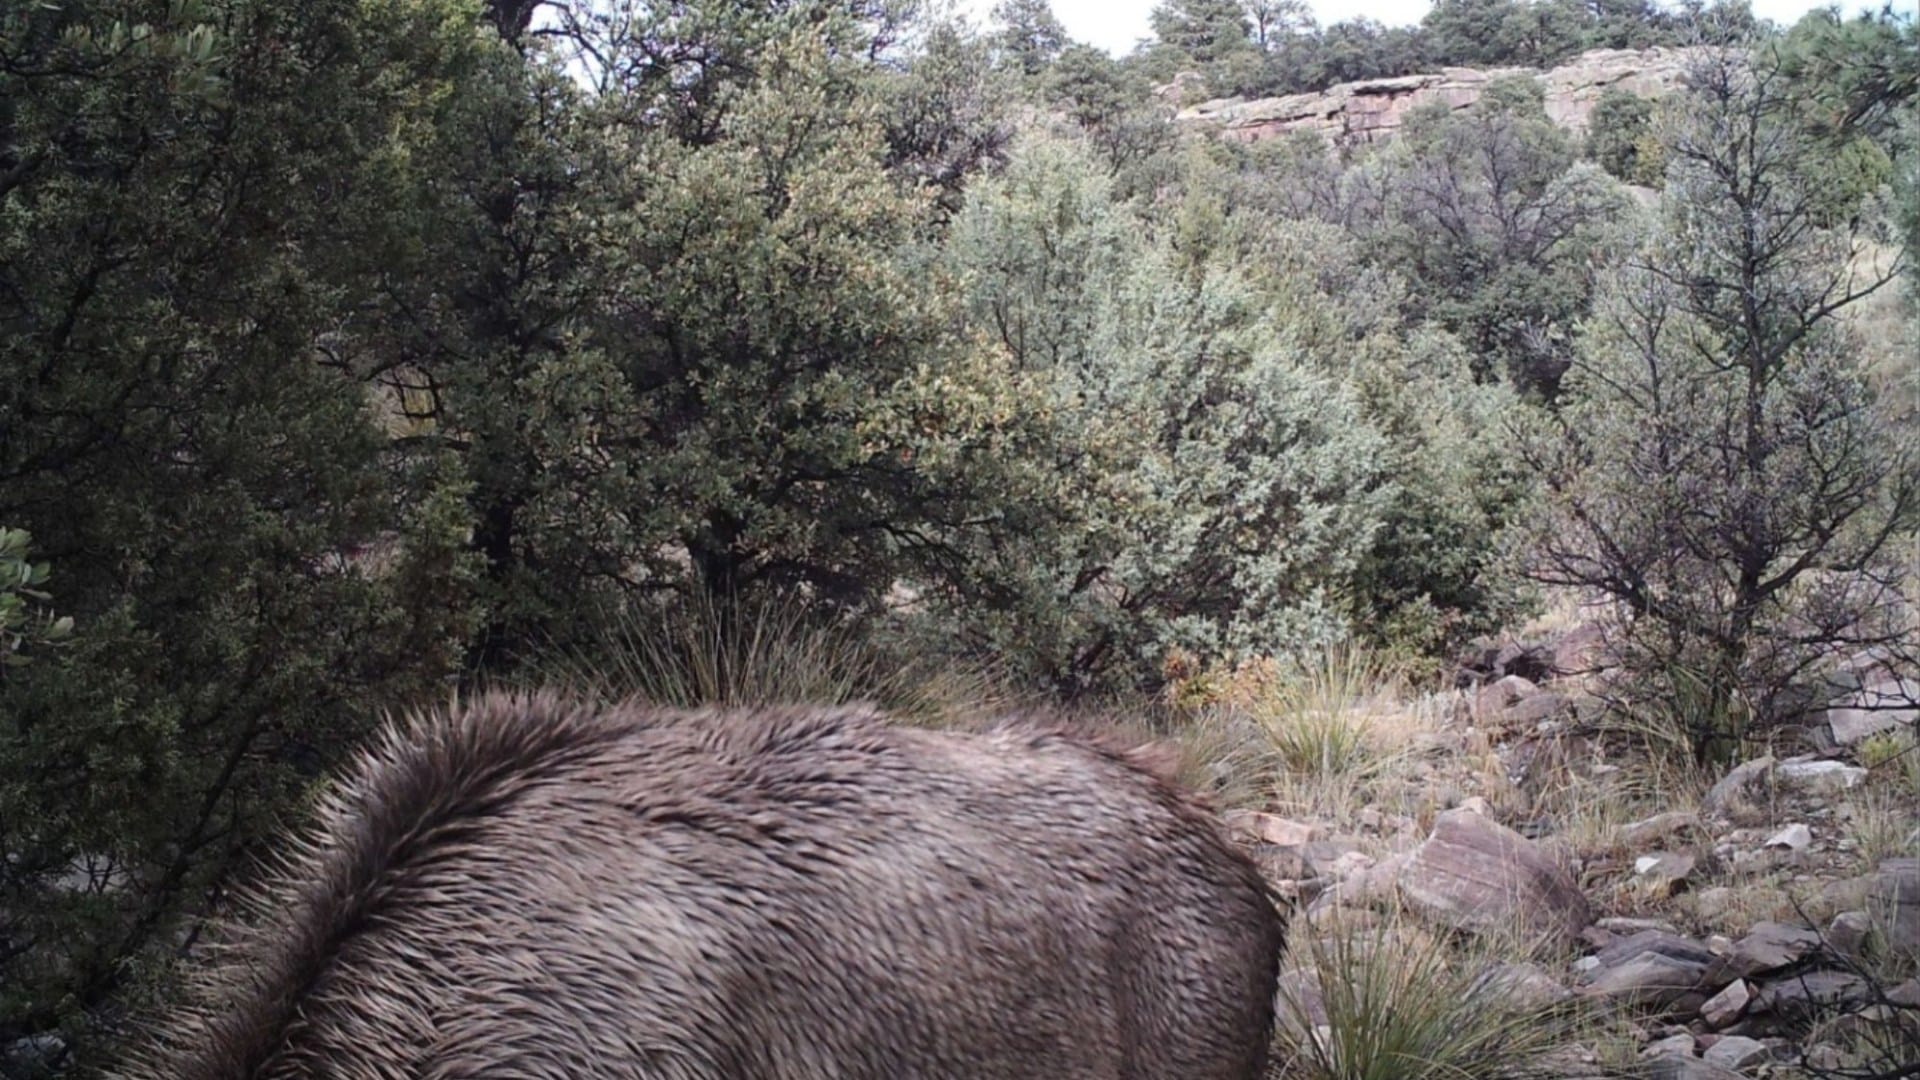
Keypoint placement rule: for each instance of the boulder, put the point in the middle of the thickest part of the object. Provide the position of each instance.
(1473, 873)
(1870, 710)
(1826, 777)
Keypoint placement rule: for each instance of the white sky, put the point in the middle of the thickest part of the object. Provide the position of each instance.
(1115, 25)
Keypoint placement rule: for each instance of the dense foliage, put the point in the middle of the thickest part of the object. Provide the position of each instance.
(1724, 467)
(356, 351)
(1253, 48)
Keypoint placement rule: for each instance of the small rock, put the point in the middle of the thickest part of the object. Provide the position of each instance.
(1347, 865)
(1586, 965)
(1650, 966)
(1534, 710)
(1625, 925)
(1362, 886)
(1892, 894)
(1769, 946)
(1848, 931)
(1656, 941)
(1737, 1052)
(1270, 828)
(1675, 1067)
(1476, 805)
(1713, 898)
(1324, 853)
(1278, 863)
(1649, 831)
(1743, 784)
(1726, 1006)
(1806, 994)
(1671, 1046)
(1822, 776)
(1794, 838)
(1299, 1007)
(1526, 988)
(1502, 694)
(34, 1055)
(1664, 871)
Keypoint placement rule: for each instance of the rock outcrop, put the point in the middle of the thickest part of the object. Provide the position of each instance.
(1373, 109)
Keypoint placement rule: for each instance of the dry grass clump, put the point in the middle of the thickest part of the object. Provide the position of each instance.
(776, 651)
(1325, 735)
(1892, 758)
(1882, 824)
(1391, 1000)
(1591, 811)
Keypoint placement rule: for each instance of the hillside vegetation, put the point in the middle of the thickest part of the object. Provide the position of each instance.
(355, 353)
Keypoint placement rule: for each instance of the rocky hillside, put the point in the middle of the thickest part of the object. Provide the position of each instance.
(1371, 110)
(1756, 921)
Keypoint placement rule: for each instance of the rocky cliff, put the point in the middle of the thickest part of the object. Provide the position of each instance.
(1371, 110)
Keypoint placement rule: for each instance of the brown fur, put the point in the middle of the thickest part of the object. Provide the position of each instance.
(531, 888)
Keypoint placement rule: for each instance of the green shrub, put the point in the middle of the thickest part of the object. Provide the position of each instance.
(22, 627)
(1180, 477)
(1615, 129)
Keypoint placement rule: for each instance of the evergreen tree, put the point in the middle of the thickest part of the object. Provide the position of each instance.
(191, 193)
(1030, 36)
(1202, 33)
(1725, 470)
(1487, 210)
